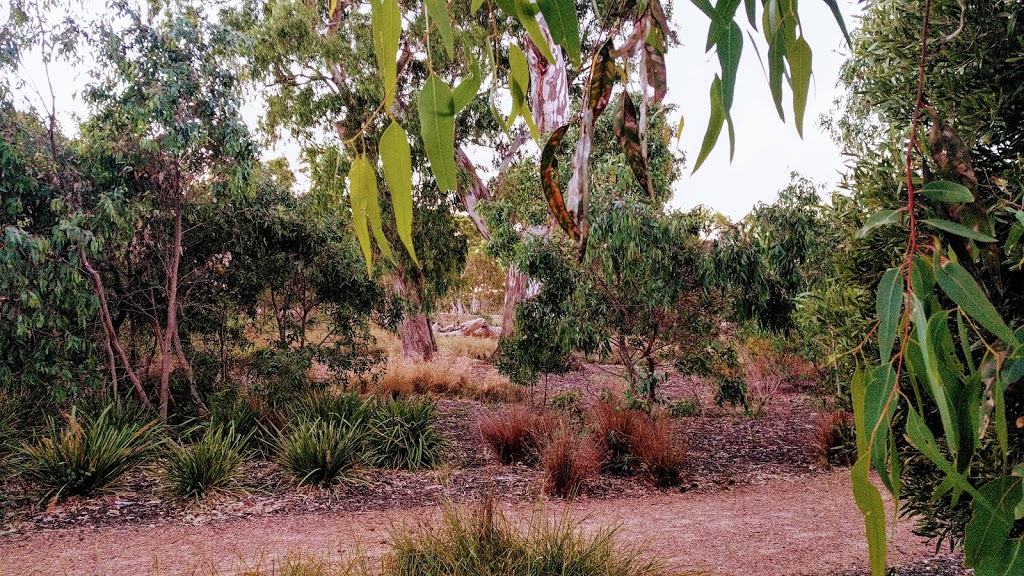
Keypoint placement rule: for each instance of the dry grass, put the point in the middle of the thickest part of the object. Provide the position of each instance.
(466, 346)
(517, 434)
(834, 437)
(445, 376)
(569, 460)
(655, 446)
(631, 439)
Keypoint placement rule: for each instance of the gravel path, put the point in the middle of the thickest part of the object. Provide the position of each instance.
(785, 526)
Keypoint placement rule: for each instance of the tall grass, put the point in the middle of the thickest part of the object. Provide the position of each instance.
(402, 435)
(320, 451)
(445, 376)
(516, 434)
(485, 543)
(209, 465)
(85, 453)
(569, 460)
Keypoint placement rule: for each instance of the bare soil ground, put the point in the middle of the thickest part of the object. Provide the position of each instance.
(803, 525)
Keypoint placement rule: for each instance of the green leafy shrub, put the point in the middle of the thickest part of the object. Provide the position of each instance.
(402, 435)
(207, 465)
(86, 453)
(567, 401)
(230, 408)
(484, 543)
(569, 459)
(320, 451)
(683, 408)
(516, 434)
(732, 391)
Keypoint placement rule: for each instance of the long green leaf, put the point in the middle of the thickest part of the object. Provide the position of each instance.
(715, 122)
(962, 289)
(878, 412)
(730, 49)
(869, 501)
(358, 190)
(880, 218)
(397, 159)
(799, 58)
(386, 21)
(889, 306)
(923, 440)
(467, 90)
(438, 12)
(564, 25)
(944, 191)
(437, 128)
(834, 6)
(988, 547)
(958, 229)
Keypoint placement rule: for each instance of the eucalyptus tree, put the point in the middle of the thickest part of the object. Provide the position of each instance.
(167, 138)
(939, 388)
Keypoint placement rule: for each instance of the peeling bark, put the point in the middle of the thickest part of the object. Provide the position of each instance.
(414, 330)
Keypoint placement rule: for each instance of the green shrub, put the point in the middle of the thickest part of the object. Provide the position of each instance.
(207, 465)
(732, 391)
(684, 408)
(402, 435)
(325, 405)
(230, 408)
(319, 451)
(87, 453)
(485, 543)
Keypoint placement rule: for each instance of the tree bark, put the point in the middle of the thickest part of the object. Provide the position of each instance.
(171, 330)
(414, 330)
(111, 333)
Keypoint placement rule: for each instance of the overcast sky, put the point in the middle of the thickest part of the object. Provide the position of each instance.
(767, 150)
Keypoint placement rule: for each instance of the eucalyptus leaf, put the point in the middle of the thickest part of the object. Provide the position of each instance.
(437, 128)
(958, 229)
(944, 191)
(889, 306)
(564, 25)
(964, 290)
(396, 157)
(878, 219)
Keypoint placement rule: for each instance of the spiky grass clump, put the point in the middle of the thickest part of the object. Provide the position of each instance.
(402, 435)
(516, 434)
(231, 408)
(326, 405)
(569, 460)
(209, 465)
(87, 454)
(655, 446)
(320, 451)
(485, 543)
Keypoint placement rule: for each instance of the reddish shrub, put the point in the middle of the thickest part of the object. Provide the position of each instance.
(615, 429)
(834, 437)
(569, 460)
(516, 434)
(654, 445)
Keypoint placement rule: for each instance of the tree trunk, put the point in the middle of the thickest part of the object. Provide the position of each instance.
(111, 333)
(414, 330)
(171, 329)
(515, 292)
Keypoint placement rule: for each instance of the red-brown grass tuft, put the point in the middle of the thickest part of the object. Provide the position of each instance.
(615, 429)
(834, 437)
(655, 446)
(517, 434)
(569, 460)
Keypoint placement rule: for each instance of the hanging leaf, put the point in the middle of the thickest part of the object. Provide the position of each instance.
(834, 6)
(564, 25)
(923, 440)
(627, 130)
(889, 307)
(373, 216)
(869, 501)
(437, 128)
(386, 21)
(657, 74)
(799, 58)
(958, 229)
(730, 48)
(525, 11)
(988, 547)
(519, 84)
(602, 79)
(878, 411)
(397, 159)
(679, 128)
(715, 122)
(437, 10)
(963, 290)
(549, 181)
(475, 5)
(944, 191)
(880, 218)
(751, 6)
(358, 190)
(467, 90)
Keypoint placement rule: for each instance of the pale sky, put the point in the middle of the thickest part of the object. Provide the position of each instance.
(767, 150)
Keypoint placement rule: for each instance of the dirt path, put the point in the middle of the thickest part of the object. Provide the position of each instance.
(807, 525)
